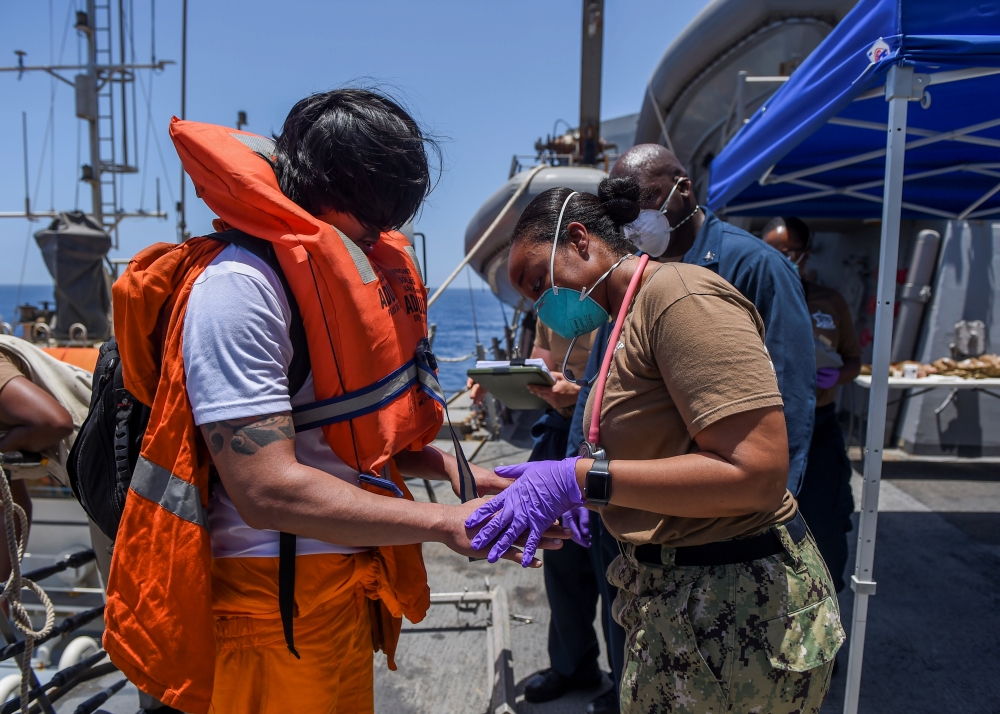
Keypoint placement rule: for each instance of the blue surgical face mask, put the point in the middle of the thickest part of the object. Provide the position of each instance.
(796, 263)
(567, 312)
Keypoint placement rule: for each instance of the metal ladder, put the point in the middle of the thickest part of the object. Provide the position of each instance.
(101, 23)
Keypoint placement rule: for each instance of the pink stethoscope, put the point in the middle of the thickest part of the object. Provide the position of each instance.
(590, 448)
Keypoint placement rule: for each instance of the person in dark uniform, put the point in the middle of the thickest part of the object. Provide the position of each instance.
(673, 227)
(825, 500)
(574, 578)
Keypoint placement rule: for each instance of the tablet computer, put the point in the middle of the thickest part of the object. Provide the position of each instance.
(826, 356)
(510, 383)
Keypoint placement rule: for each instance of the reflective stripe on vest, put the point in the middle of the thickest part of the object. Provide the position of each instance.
(429, 383)
(417, 371)
(259, 144)
(371, 398)
(176, 495)
(358, 256)
(358, 403)
(408, 249)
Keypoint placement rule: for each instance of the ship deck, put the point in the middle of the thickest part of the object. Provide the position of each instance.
(931, 643)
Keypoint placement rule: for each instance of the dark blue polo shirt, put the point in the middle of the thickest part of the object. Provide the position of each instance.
(768, 280)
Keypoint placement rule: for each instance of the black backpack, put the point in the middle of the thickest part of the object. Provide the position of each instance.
(107, 448)
(104, 455)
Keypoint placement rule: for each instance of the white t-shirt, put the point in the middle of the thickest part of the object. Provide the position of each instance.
(237, 352)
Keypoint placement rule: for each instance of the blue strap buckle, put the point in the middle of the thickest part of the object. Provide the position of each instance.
(383, 483)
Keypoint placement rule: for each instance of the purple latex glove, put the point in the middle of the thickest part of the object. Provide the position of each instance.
(578, 521)
(543, 491)
(827, 377)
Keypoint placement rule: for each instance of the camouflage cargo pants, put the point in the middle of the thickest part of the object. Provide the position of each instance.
(752, 638)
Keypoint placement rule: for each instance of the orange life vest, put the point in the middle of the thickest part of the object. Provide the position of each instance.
(365, 322)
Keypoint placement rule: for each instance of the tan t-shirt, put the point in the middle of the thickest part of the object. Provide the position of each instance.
(691, 353)
(9, 368)
(833, 325)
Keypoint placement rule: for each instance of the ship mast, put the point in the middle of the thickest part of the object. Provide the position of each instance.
(582, 146)
(592, 51)
(94, 87)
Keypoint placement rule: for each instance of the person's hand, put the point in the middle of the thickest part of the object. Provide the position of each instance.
(543, 491)
(827, 377)
(487, 482)
(577, 520)
(476, 391)
(459, 537)
(560, 395)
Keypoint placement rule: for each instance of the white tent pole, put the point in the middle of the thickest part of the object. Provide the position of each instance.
(898, 91)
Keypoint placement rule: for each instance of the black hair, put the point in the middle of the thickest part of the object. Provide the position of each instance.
(616, 204)
(794, 227)
(354, 151)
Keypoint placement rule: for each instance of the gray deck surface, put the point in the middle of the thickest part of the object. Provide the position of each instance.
(933, 628)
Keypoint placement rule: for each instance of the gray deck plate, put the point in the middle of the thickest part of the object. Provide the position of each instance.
(932, 630)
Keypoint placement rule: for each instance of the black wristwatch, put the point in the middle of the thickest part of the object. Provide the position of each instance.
(597, 487)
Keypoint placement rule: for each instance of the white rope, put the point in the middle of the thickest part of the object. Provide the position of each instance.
(486, 234)
(455, 359)
(664, 134)
(15, 584)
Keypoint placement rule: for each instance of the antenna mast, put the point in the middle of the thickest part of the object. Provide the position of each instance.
(583, 145)
(592, 51)
(93, 86)
(182, 231)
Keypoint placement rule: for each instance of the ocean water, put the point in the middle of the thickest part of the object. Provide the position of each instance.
(456, 330)
(453, 313)
(33, 294)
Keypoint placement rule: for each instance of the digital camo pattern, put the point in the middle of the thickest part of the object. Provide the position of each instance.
(753, 638)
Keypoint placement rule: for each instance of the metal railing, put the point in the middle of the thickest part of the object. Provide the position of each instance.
(500, 658)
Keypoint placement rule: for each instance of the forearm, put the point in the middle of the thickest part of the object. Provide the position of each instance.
(271, 490)
(30, 438)
(699, 485)
(432, 463)
(850, 370)
(37, 421)
(429, 463)
(741, 468)
(314, 504)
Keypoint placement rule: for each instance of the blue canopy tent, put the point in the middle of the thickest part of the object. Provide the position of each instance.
(827, 145)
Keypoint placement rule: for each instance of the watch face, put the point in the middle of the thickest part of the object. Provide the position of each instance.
(599, 486)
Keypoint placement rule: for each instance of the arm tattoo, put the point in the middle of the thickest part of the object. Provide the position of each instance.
(248, 436)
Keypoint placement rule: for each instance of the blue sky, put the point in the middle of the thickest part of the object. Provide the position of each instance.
(488, 76)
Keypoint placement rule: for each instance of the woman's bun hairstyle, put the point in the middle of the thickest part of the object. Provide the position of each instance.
(603, 215)
(620, 198)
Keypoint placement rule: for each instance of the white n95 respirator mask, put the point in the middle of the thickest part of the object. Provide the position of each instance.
(650, 232)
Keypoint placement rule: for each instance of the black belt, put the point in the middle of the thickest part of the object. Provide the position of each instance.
(727, 552)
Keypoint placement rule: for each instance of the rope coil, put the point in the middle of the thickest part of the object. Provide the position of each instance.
(16, 583)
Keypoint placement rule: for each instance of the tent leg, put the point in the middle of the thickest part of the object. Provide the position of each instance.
(899, 88)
